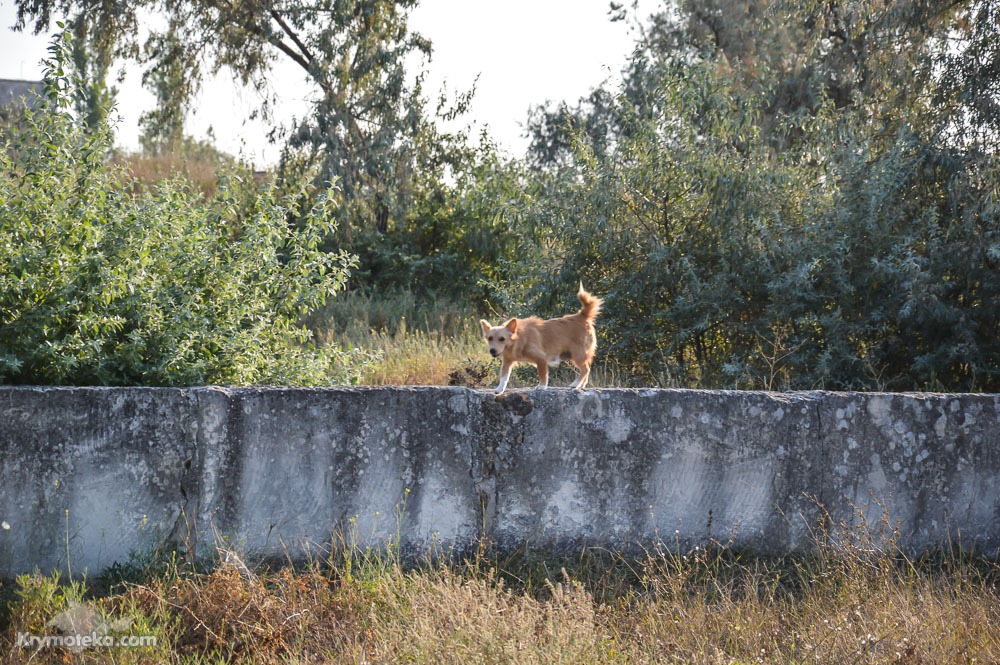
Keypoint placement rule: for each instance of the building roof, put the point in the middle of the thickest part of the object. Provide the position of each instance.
(20, 93)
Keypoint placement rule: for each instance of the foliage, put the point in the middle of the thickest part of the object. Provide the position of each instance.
(743, 235)
(91, 67)
(454, 238)
(411, 197)
(173, 84)
(165, 287)
(364, 129)
(781, 193)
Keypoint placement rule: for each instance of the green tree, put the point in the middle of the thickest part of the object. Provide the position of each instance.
(405, 187)
(366, 112)
(367, 118)
(91, 66)
(174, 83)
(452, 236)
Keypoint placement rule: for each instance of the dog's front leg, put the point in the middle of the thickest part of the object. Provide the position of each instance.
(505, 368)
(543, 375)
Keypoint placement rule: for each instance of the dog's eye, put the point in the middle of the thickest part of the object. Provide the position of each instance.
(489, 339)
(500, 340)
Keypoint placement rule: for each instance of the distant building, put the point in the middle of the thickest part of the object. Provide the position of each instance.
(20, 94)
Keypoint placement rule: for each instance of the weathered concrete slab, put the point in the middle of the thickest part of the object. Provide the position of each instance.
(282, 470)
(931, 460)
(614, 467)
(762, 470)
(89, 476)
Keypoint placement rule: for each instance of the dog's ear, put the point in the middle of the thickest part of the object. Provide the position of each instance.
(511, 325)
(486, 326)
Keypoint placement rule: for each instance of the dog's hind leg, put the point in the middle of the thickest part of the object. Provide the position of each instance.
(581, 381)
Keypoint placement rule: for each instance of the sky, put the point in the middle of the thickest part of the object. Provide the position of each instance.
(524, 53)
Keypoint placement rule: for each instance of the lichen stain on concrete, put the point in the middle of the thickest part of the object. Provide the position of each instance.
(565, 510)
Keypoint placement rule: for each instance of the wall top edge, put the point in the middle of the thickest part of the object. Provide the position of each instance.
(483, 392)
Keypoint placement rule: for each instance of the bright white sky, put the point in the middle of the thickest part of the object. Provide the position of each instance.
(525, 52)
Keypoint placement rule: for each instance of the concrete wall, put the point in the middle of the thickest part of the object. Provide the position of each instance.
(89, 476)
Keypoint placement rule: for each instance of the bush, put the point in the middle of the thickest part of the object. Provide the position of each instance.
(165, 287)
(838, 247)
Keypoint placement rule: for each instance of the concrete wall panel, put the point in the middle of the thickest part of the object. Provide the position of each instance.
(90, 476)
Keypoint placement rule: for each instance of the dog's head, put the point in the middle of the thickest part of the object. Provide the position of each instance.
(499, 337)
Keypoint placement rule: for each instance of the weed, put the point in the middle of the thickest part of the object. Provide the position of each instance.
(855, 598)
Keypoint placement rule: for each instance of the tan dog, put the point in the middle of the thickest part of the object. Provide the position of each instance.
(541, 342)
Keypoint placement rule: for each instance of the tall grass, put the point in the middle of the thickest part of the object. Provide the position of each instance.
(399, 339)
(147, 171)
(855, 599)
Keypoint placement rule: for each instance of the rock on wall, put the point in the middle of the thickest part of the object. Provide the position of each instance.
(90, 476)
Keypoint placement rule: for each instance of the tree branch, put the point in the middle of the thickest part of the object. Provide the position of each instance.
(291, 35)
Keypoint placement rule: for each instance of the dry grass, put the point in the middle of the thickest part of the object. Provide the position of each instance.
(149, 170)
(440, 357)
(198, 163)
(405, 341)
(841, 604)
(422, 358)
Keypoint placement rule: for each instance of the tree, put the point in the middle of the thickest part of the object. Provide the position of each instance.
(91, 67)
(173, 82)
(354, 52)
(802, 54)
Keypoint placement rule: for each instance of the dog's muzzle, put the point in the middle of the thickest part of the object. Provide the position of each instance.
(494, 353)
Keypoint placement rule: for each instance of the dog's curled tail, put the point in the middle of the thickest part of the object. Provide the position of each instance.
(591, 304)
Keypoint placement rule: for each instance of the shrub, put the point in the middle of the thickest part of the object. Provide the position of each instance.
(850, 247)
(165, 287)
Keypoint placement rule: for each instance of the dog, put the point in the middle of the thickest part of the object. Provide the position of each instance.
(571, 338)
